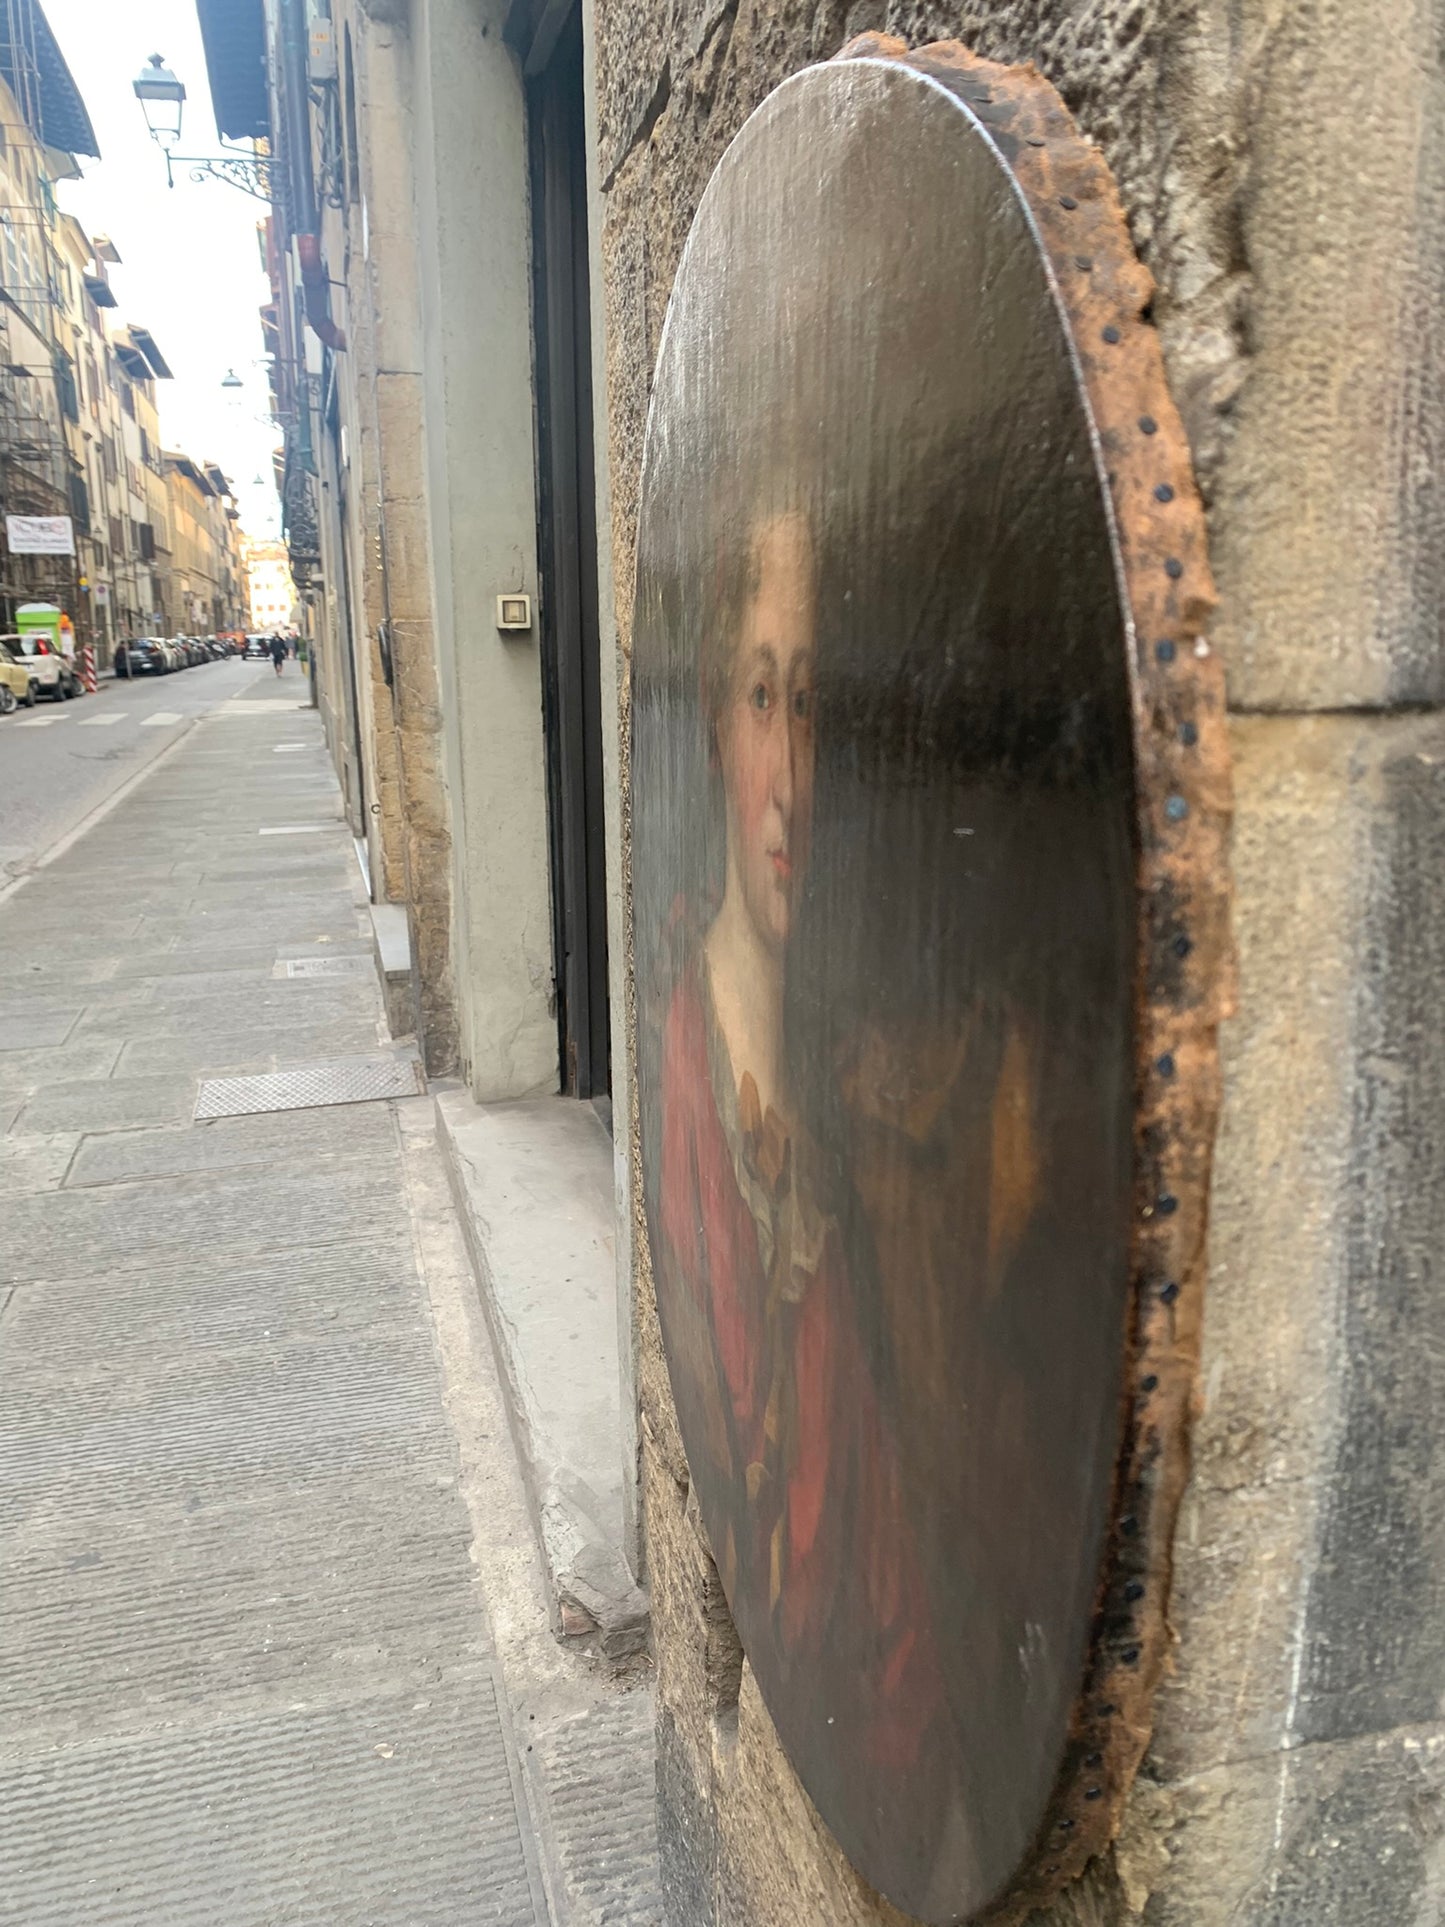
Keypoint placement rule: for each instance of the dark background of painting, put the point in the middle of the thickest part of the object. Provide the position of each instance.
(862, 328)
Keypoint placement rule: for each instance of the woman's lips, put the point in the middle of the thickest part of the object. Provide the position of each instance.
(782, 864)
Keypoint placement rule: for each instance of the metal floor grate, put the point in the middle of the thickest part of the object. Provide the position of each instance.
(302, 1087)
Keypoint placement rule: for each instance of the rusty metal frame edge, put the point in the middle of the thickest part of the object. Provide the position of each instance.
(1185, 962)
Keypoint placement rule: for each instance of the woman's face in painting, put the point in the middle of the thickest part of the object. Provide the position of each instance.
(765, 731)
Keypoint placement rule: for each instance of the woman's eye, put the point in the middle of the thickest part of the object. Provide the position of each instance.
(759, 696)
(802, 703)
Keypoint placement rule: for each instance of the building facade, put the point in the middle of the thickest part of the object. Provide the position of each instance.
(206, 576)
(270, 591)
(478, 215)
(79, 423)
(43, 470)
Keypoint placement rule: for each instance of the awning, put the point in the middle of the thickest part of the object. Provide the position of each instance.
(234, 34)
(185, 466)
(143, 339)
(99, 290)
(35, 70)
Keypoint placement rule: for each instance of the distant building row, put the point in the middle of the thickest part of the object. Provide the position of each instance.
(154, 535)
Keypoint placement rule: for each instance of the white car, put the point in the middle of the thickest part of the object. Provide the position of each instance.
(51, 673)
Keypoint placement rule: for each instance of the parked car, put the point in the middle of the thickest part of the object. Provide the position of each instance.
(147, 656)
(51, 673)
(258, 648)
(16, 688)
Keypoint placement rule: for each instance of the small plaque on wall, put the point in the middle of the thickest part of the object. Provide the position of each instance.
(928, 800)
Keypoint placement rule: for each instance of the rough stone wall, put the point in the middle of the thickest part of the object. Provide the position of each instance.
(396, 563)
(385, 828)
(1283, 166)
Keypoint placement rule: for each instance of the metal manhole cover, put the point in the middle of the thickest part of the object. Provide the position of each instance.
(323, 967)
(303, 1087)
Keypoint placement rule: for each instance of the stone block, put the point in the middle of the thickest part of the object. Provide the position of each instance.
(26, 1070)
(30, 1027)
(635, 44)
(408, 554)
(109, 1104)
(53, 1236)
(1329, 541)
(281, 1138)
(392, 952)
(30, 1164)
(399, 417)
(1310, 1567)
(533, 1184)
(1346, 1834)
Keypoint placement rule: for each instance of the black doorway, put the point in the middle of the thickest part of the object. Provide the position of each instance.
(567, 553)
(353, 762)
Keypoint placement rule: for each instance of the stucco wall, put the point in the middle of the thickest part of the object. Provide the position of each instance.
(472, 219)
(1284, 182)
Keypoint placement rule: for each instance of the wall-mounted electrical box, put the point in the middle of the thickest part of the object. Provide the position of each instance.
(321, 56)
(514, 613)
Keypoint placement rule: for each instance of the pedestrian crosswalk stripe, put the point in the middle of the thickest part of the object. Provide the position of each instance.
(40, 722)
(292, 829)
(97, 722)
(161, 716)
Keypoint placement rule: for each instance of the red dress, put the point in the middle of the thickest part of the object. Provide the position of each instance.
(793, 1461)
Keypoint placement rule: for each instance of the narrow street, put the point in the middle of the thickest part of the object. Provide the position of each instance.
(275, 1646)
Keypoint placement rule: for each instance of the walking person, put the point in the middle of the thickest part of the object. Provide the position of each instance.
(278, 653)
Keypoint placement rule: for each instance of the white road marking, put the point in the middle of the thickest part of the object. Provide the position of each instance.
(284, 749)
(293, 829)
(98, 722)
(40, 722)
(254, 706)
(161, 716)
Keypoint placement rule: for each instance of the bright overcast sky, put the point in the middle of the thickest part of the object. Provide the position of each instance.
(191, 268)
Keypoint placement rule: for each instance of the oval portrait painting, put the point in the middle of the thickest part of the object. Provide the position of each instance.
(885, 936)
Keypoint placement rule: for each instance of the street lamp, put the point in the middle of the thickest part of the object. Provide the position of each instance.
(231, 379)
(163, 98)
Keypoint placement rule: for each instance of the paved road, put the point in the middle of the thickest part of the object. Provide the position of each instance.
(60, 761)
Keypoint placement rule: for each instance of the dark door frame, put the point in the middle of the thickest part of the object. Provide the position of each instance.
(342, 590)
(567, 549)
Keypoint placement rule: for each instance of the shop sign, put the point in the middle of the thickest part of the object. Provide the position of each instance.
(40, 534)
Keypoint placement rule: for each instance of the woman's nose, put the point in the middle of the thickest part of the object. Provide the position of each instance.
(783, 770)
